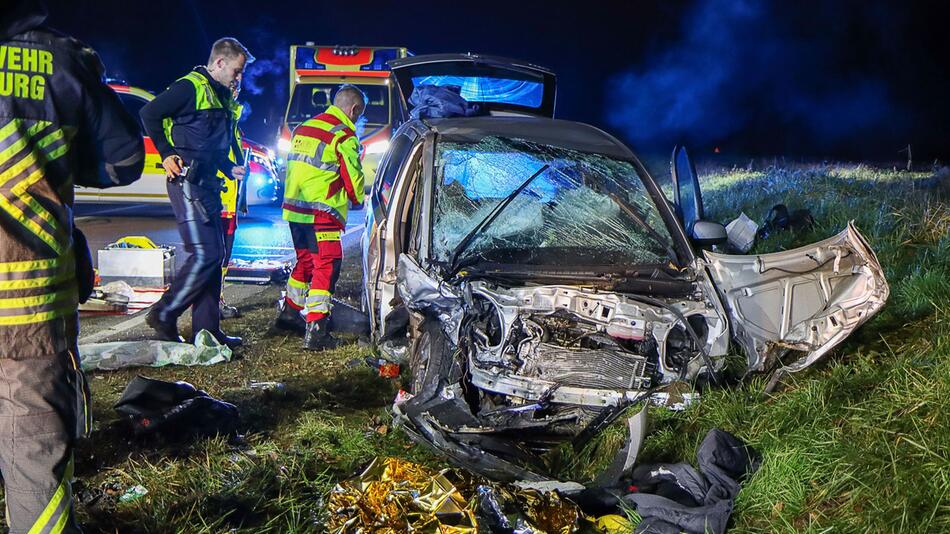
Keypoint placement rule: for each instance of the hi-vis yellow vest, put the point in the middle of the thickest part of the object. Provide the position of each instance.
(230, 192)
(324, 173)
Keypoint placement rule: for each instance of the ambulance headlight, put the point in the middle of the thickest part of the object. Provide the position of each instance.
(378, 147)
(283, 145)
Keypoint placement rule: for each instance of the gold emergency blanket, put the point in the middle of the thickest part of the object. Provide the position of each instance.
(394, 496)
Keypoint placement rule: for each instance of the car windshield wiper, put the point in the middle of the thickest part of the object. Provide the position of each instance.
(492, 215)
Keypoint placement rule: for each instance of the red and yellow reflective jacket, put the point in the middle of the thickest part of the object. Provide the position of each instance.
(324, 173)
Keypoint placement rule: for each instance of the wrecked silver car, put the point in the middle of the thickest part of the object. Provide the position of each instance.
(537, 282)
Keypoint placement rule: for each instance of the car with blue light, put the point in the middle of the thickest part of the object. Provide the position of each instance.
(263, 186)
(537, 282)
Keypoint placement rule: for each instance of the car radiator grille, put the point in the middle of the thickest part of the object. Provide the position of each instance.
(588, 368)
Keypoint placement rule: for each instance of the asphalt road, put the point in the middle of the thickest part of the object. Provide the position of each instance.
(261, 234)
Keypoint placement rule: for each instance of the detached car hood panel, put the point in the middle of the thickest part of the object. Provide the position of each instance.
(807, 299)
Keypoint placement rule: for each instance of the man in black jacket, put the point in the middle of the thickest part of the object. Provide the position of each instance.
(192, 127)
(60, 126)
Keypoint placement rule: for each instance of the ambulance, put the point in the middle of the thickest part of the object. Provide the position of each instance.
(315, 74)
(263, 187)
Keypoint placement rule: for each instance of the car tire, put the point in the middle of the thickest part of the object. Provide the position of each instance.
(428, 356)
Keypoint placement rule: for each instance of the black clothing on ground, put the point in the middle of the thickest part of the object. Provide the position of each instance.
(674, 498)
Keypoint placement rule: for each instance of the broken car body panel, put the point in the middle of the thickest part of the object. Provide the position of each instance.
(807, 299)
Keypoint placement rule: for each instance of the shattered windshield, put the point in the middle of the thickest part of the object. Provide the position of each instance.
(583, 210)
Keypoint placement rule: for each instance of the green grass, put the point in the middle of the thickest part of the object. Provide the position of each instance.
(859, 443)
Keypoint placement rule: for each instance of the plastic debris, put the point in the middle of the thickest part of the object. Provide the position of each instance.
(133, 493)
(741, 233)
(149, 353)
(275, 389)
(674, 401)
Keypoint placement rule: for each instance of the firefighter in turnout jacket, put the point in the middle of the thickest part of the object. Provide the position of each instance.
(324, 176)
(60, 126)
(192, 126)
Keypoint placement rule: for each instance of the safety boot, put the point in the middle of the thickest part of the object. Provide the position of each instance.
(164, 330)
(289, 318)
(318, 336)
(232, 342)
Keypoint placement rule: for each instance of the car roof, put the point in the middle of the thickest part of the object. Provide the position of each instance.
(561, 133)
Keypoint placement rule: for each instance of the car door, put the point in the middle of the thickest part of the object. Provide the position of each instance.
(687, 196)
(380, 242)
(498, 85)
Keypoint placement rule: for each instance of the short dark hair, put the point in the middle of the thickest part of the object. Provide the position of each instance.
(347, 95)
(230, 48)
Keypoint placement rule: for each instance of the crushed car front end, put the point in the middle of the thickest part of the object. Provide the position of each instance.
(539, 316)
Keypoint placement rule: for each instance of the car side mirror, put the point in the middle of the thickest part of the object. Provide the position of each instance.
(707, 233)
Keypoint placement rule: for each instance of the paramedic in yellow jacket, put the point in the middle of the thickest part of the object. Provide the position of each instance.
(229, 198)
(324, 176)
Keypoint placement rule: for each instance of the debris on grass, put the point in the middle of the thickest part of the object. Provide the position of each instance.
(176, 409)
(150, 353)
(133, 493)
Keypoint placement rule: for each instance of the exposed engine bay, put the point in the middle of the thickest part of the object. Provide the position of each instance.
(547, 363)
(582, 346)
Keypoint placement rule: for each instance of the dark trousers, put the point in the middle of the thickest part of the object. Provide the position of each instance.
(198, 283)
(43, 411)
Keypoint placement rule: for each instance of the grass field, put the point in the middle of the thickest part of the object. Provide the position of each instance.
(859, 443)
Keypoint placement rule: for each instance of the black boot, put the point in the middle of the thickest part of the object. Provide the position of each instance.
(318, 336)
(232, 342)
(165, 331)
(289, 318)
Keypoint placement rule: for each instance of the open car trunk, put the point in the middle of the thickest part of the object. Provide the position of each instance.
(496, 84)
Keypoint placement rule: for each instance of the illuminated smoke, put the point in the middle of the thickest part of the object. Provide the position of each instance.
(752, 69)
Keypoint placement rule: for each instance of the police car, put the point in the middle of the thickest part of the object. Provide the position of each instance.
(263, 187)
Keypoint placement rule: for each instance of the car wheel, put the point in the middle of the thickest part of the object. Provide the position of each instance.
(428, 355)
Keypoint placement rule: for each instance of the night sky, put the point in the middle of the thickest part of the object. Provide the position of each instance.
(811, 80)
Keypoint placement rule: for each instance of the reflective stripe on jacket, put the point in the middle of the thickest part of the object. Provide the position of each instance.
(324, 173)
(60, 126)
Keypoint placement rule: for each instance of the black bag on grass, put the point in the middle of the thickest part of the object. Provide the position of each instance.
(175, 409)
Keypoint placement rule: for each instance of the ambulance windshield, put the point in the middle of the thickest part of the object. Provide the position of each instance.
(313, 99)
